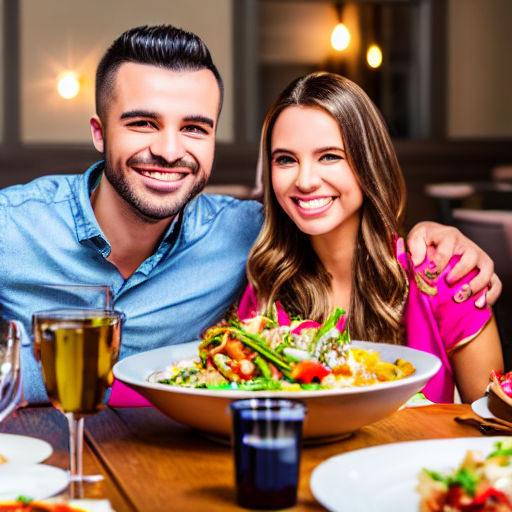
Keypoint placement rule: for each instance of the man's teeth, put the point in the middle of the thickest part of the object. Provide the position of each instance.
(164, 176)
(314, 203)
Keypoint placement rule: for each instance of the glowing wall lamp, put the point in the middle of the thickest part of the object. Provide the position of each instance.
(340, 37)
(68, 84)
(374, 56)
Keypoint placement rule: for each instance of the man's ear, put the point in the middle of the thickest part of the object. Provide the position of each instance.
(97, 133)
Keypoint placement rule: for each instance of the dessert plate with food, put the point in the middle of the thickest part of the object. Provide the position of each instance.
(497, 402)
(418, 476)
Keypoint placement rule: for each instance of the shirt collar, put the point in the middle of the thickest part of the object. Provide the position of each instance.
(87, 227)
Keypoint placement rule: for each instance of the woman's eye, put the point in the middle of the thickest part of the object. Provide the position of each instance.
(331, 157)
(283, 160)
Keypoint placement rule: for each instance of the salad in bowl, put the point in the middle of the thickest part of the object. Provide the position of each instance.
(345, 384)
(275, 353)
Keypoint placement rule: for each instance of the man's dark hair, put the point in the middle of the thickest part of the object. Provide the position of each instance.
(163, 46)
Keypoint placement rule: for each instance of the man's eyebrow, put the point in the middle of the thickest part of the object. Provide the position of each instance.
(139, 113)
(200, 119)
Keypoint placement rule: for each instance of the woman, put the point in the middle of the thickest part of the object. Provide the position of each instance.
(334, 200)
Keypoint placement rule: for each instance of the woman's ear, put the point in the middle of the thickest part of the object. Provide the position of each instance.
(97, 133)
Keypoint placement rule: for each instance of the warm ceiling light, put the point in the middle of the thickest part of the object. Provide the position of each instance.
(68, 85)
(374, 56)
(340, 37)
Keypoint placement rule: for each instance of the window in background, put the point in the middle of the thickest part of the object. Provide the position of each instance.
(295, 38)
(57, 36)
(479, 69)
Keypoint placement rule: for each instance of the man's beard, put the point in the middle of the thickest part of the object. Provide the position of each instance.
(145, 207)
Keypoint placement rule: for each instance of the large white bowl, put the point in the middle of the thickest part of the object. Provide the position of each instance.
(332, 413)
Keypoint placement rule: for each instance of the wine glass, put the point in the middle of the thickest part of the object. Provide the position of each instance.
(10, 374)
(76, 349)
(81, 296)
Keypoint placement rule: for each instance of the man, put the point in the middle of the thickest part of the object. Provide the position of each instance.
(175, 260)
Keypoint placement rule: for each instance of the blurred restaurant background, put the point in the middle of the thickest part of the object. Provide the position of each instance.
(439, 70)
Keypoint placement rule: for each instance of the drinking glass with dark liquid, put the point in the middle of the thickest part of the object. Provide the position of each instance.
(76, 349)
(267, 443)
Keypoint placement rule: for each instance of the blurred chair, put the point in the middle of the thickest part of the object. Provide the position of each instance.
(448, 197)
(486, 195)
(492, 231)
(502, 173)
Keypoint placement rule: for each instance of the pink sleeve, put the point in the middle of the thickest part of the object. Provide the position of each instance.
(123, 396)
(457, 317)
(248, 307)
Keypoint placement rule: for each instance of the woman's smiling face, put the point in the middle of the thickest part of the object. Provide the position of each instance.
(311, 177)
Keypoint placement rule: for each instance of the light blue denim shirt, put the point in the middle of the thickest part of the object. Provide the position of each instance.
(49, 234)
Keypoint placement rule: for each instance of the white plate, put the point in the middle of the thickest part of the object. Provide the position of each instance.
(36, 481)
(92, 505)
(89, 505)
(23, 449)
(84, 504)
(332, 413)
(384, 478)
(481, 408)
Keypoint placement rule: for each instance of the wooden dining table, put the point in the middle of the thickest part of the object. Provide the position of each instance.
(151, 463)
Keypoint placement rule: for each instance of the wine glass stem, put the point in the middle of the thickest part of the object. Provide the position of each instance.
(76, 441)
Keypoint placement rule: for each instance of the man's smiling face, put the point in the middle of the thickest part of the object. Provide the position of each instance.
(158, 137)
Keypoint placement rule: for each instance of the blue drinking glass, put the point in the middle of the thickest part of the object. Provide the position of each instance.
(267, 442)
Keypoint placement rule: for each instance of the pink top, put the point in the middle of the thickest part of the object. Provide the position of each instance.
(435, 318)
(123, 396)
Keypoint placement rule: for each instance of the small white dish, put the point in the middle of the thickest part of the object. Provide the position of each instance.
(91, 505)
(384, 478)
(24, 449)
(481, 408)
(34, 481)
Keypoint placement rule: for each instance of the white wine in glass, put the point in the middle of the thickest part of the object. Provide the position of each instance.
(77, 349)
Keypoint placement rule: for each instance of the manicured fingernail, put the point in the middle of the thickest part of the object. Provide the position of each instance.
(431, 273)
(481, 302)
(463, 294)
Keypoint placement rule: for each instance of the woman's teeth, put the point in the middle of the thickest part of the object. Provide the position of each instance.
(314, 203)
(163, 176)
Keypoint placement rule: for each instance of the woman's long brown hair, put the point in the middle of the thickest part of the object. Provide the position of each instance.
(283, 265)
